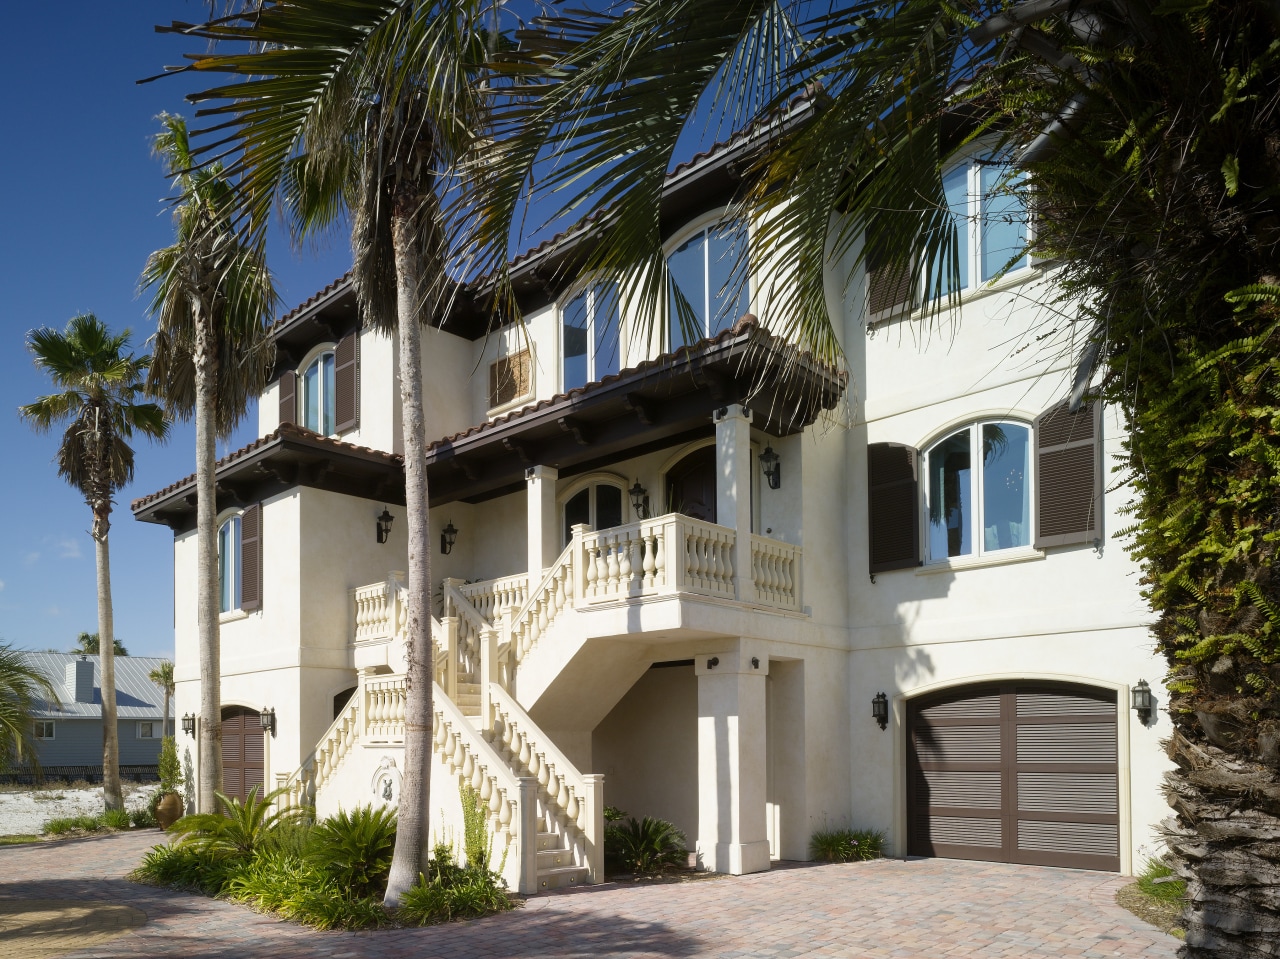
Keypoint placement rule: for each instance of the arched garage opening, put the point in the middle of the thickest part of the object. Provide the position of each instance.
(1015, 772)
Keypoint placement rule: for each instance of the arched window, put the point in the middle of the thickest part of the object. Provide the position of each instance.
(318, 395)
(978, 491)
(229, 565)
(589, 330)
(709, 293)
(598, 505)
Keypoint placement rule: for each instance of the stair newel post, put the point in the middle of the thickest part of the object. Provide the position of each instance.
(527, 847)
(578, 562)
(591, 815)
(488, 676)
(452, 631)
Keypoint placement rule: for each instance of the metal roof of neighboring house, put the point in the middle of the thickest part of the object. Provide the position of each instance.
(137, 697)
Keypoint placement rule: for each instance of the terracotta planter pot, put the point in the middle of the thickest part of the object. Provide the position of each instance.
(169, 810)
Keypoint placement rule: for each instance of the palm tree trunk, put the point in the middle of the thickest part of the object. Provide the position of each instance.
(209, 742)
(112, 795)
(415, 790)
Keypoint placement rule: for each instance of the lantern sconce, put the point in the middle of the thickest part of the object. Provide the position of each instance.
(771, 463)
(384, 525)
(189, 724)
(1142, 701)
(268, 719)
(713, 662)
(448, 536)
(639, 500)
(880, 710)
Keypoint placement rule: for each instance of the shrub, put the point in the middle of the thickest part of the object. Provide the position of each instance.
(291, 837)
(241, 829)
(143, 818)
(476, 842)
(449, 891)
(65, 824)
(301, 890)
(614, 814)
(115, 819)
(168, 769)
(846, 845)
(645, 846)
(354, 849)
(1159, 881)
(186, 867)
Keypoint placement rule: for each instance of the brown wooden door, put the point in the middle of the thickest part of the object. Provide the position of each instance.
(691, 485)
(1015, 772)
(242, 752)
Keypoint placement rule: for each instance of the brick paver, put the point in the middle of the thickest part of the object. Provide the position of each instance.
(918, 909)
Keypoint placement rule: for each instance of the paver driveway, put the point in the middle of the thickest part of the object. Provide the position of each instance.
(920, 908)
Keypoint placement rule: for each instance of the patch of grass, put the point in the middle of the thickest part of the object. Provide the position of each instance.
(65, 824)
(846, 845)
(20, 840)
(1159, 881)
(47, 797)
(1153, 901)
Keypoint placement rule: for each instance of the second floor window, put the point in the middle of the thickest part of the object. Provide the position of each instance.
(987, 200)
(318, 395)
(599, 506)
(978, 490)
(589, 331)
(707, 270)
(229, 565)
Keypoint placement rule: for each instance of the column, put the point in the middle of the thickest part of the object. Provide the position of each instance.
(732, 837)
(544, 544)
(733, 490)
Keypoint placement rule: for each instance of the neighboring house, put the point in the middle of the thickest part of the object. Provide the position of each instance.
(677, 578)
(69, 732)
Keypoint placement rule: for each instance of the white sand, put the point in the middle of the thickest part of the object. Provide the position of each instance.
(24, 812)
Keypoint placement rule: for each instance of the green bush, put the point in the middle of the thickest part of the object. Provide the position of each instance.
(846, 845)
(646, 845)
(240, 828)
(115, 819)
(168, 769)
(143, 818)
(301, 890)
(354, 849)
(1170, 890)
(614, 814)
(291, 837)
(185, 867)
(66, 824)
(448, 891)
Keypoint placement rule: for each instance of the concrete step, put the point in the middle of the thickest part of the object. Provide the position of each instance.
(559, 878)
(549, 859)
(548, 841)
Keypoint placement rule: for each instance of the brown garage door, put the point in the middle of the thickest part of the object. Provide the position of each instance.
(242, 766)
(1015, 773)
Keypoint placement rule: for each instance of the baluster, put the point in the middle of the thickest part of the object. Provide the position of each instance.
(648, 564)
(726, 563)
(660, 558)
(788, 579)
(614, 569)
(634, 564)
(592, 570)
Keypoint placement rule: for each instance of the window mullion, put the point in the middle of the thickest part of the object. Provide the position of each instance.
(979, 490)
(975, 224)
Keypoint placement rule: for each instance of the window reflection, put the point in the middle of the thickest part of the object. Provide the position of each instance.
(985, 509)
(709, 292)
(589, 331)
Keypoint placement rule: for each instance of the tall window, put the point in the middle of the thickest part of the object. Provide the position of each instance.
(987, 200)
(599, 506)
(589, 328)
(229, 565)
(710, 282)
(317, 395)
(979, 490)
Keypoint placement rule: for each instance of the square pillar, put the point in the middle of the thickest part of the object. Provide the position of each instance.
(544, 544)
(732, 770)
(733, 491)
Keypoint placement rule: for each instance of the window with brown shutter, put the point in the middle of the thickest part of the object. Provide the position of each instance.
(510, 377)
(288, 397)
(1068, 476)
(346, 383)
(889, 288)
(893, 500)
(251, 558)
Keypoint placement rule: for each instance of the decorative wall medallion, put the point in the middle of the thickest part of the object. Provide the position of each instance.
(385, 784)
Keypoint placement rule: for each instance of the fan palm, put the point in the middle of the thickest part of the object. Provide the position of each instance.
(88, 644)
(100, 384)
(1149, 133)
(330, 118)
(22, 691)
(212, 295)
(162, 676)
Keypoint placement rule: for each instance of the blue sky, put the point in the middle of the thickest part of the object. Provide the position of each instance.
(83, 209)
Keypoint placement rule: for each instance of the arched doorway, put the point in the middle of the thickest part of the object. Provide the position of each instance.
(691, 485)
(1023, 772)
(242, 752)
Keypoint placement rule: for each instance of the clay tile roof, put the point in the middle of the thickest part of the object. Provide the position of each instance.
(283, 432)
(310, 301)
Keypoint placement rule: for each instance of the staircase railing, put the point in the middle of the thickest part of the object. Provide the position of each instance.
(304, 783)
(554, 593)
(570, 804)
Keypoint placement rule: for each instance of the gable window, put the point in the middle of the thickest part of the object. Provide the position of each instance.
(987, 201)
(44, 729)
(978, 491)
(709, 293)
(598, 505)
(229, 565)
(589, 334)
(318, 395)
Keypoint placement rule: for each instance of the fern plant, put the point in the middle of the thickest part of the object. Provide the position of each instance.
(645, 845)
(354, 848)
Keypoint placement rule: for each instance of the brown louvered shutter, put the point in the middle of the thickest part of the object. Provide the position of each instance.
(893, 514)
(888, 288)
(1068, 476)
(288, 397)
(251, 558)
(346, 382)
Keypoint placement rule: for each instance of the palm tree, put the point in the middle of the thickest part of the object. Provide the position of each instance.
(162, 676)
(22, 691)
(87, 643)
(211, 297)
(100, 384)
(359, 108)
(1148, 133)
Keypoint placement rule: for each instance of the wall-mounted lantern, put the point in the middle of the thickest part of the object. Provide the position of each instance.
(448, 536)
(268, 719)
(639, 500)
(189, 724)
(880, 710)
(384, 525)
(772, 466)
(1141, 700)
(713, 662)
